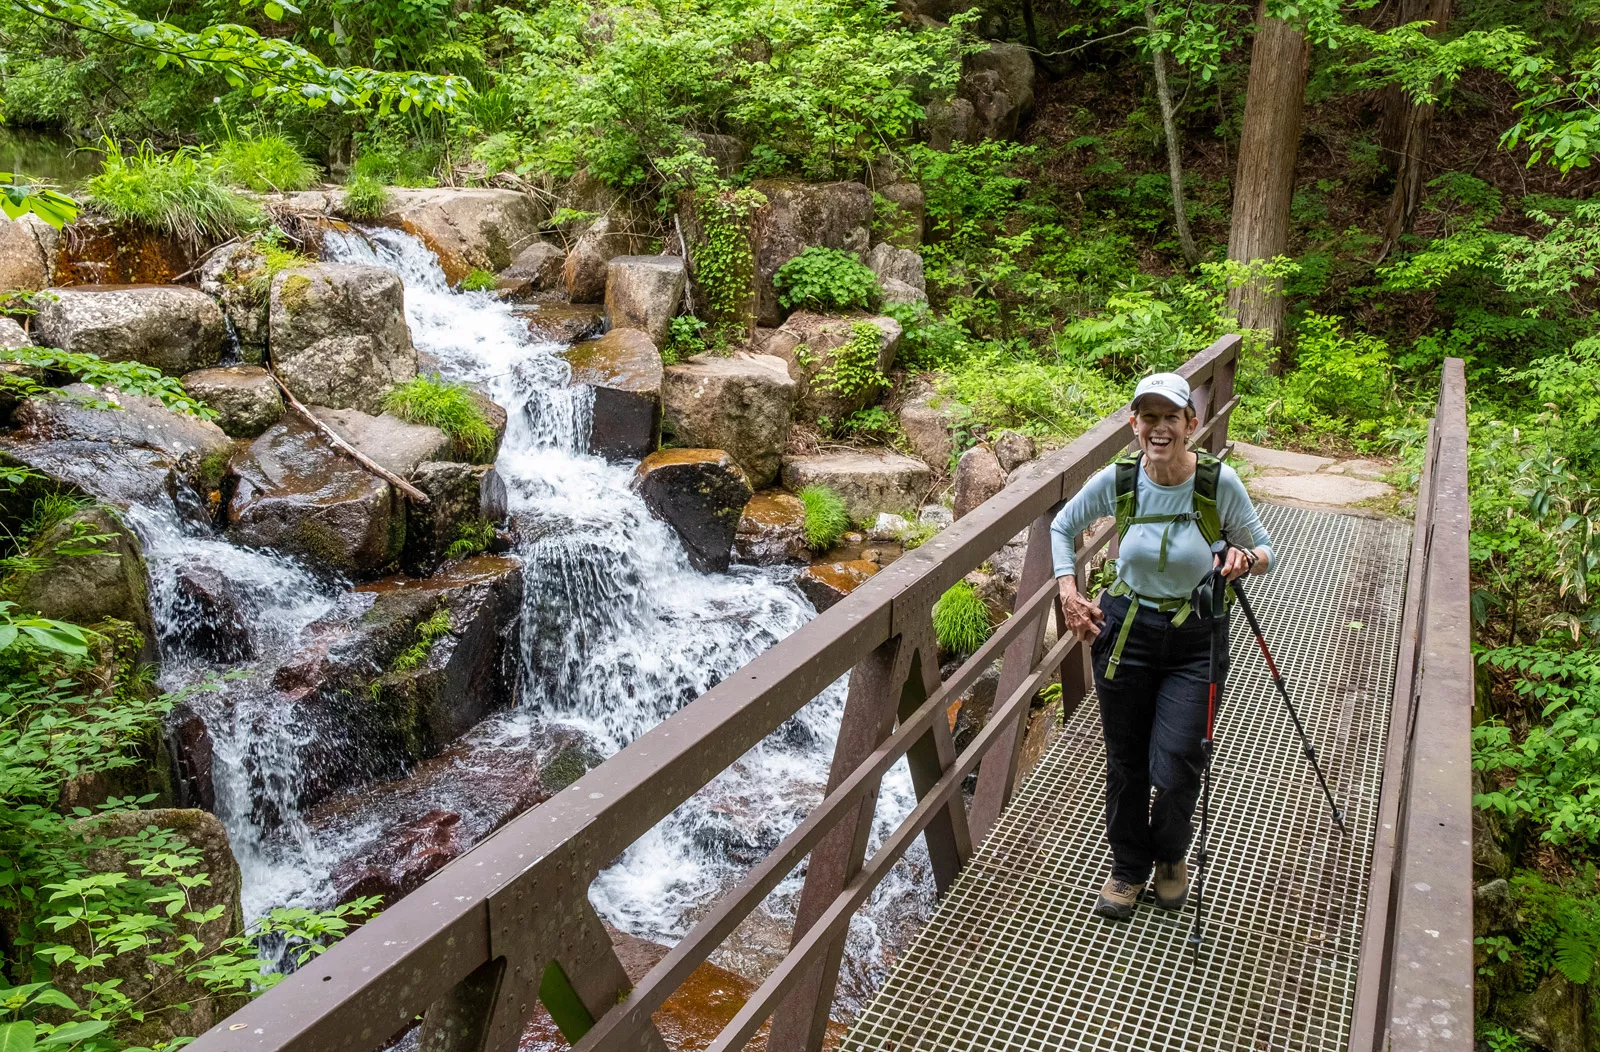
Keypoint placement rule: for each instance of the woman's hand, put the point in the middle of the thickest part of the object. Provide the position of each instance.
(1083, 617)
(1240, 561)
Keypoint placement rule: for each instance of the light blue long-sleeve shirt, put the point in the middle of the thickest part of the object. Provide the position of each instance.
(1188, 554)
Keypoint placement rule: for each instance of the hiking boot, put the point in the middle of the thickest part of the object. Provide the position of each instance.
(1117, 899)
(1171, 885)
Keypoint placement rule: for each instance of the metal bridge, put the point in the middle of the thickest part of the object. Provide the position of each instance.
(1315, 939)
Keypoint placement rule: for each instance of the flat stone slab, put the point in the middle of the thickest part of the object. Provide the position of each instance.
(1361, 469)
(1323, 489)
(1282, 459)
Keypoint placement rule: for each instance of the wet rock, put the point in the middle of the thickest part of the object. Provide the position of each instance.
(741, 404)
(339, 336)
(869, 482)
(147, 981)
(700, 493)
(565, 322)
(979, 476)
(393, 444)
(1555, 1016)
(888, 527)
(170, 327)
(214, 624)
(226, 277)
(798, 216)
(998, 81)
(584, 271)
(459, 495)
(567, 765)
(1013, 449)
(948, 123)
(644, 292)
(190, 746)
(404, 858)
(811, 346)
(28, 247)
(536, 271)
(901, 215)
(102, 252)
(88, 589)
(772, 530)
(928, 421)
(291, 491)
(827, 583)
(479, 228)
(141, 452)
(898, 264)
(244, 397)
(13, 335)
(624, 369)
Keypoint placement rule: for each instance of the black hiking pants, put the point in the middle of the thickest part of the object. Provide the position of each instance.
(1154, 718)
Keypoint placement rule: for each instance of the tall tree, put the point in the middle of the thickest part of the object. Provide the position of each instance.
(1169, 129)
(1405, 131)
(1264, 183)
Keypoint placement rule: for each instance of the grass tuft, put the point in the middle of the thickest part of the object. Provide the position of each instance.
(826, 517)
(478, 280)
(176, 193)
(264, 163)
(449, 407)
(961, 620)
(365, 197)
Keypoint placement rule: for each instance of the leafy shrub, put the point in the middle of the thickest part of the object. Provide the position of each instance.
(176, 193)
(450, 407)
(960, 619)
(1343, 376)
(826, 517)
(825, 279)
(398, 164)
(685, 339)
(129, 377)
(365, 197)
(478, 280)
(873, 422)
(267, 162)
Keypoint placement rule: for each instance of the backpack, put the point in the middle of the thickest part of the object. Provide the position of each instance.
(1205, 514)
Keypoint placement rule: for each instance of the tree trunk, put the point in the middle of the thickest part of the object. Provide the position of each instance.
(1405, 130)
(1264, 184)
(1169, 128)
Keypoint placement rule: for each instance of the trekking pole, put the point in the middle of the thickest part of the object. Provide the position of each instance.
(1277, 681)
(1219, 658)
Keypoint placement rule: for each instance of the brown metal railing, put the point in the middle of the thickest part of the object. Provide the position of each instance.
(509, 923)
(1415, 970)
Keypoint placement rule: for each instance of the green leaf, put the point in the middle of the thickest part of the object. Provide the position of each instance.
(16, 1037)
(73, 1033)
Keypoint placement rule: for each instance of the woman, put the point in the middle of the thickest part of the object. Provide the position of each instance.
(1152, 643)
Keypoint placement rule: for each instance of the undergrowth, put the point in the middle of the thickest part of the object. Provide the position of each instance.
(127, 377)
(178, 193)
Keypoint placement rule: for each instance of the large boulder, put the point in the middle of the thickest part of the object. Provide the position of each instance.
(998, 81)
(772, 530)
(536, 272)
(624, 369)
(178, 1006)
(293, 492)
(28, 247)
(929, 422)
(898, 268)
(124, 449)
(564, 322)
(464, 503)
(979, 476)
(13, 335)
(403, 858)
(644, 292)
(700, 493)
(584, 271)
(338, 334)
(478, 228)
(227, 275)
(1014, 449)
(244, 397)
(170, 327)
(741, 404)
(88, 589)
(868, 482)
(948, 123)
(798, 216)
(839, 364)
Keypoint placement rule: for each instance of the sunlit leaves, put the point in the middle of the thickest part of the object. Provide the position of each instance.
(18, 199)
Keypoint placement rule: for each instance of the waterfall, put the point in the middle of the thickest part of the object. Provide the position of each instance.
(618, 632)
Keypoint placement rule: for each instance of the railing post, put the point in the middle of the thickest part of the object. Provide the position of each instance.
(870, 709)
(947, 836)
(1219, 395)
(997, 774)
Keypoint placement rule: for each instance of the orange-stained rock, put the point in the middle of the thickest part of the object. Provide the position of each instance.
(624, 369)
(827, 583)
(99, 252)
(772, 530)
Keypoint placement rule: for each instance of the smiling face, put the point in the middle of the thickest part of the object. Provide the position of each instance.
(1163, 429)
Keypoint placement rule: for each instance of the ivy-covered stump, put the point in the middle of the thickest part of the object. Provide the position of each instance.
(624, 369)
(168, 327)
(869, 482)
(742, 404)
(840, 364)
(700, 493)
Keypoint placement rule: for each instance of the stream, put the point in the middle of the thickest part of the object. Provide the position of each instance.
(618, 632)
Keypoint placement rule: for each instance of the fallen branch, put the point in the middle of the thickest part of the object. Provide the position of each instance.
(344, 447)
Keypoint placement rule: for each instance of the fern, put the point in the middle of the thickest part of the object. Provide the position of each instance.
(1576, 952)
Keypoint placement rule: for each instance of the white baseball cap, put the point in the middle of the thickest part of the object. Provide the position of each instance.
(1170, 386)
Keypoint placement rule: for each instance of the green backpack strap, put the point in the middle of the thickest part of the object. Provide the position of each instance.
(1127, 492)
(1207, 470)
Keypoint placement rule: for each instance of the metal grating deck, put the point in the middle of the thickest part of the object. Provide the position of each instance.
(1013, 958)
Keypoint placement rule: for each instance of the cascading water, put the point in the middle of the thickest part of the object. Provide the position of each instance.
(618, 632)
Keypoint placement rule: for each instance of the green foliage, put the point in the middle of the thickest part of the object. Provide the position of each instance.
(1342, 376)
(1010, 387)
(471, 538)
(177, 193)
(825, 279)
(826, 517)
(18, 197)
(724, 265)
(1559, 926)
(852, 369)
(685, 339)
(365, 197)
(436, 627)
(450, 407)
(873, 423)
(918, 534)
(397, 163)
(478, 280)
(264, 162)
(127, 377)
(961, 619)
